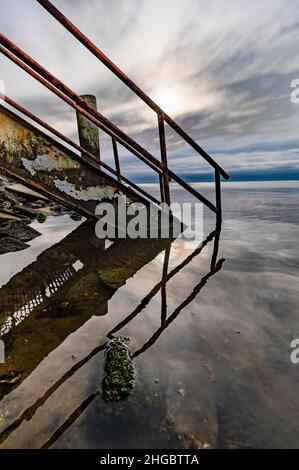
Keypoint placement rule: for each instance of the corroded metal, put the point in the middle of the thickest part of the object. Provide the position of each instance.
(88, 131)
(116, 159)
(40, 163)
(66, 23)
(73, 144)
(51, 82)
(165, 178)
(29, 65)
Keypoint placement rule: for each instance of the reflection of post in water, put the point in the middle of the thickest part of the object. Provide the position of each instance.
(178, 310)
(163, 287)
(215, 267)
(216, 246)
(162, 283)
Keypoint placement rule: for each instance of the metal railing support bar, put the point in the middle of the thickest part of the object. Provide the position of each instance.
(68, 141)
(165, 177)
(116, 158)
(66, 23)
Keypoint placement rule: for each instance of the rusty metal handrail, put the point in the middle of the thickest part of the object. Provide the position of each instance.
(73, 144)
(28, 64)
(125, 79)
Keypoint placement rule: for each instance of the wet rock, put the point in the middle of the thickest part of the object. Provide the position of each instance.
(38, 204)
(18, 230)
(119, 371)
(75, 216)
(6, 204)
(3, 180)
(57, 210)
(29, 213)
(7, 198)
(24, 194)
(18, 202)
(8, 245)
(41, 218)
(10, 378)
(5, 217)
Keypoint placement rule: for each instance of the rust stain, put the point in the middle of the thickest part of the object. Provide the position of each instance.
(36, 159)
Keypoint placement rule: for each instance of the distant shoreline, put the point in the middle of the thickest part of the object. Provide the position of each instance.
(208, 178)
(235, 184)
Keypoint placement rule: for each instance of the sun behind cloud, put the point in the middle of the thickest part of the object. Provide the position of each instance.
(169, 98)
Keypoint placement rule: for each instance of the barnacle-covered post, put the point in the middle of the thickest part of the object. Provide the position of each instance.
(88, 131)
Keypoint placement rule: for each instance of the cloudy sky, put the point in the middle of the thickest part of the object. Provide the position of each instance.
(222, 69)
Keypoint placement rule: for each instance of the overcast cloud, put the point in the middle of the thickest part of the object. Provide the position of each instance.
(222, 69)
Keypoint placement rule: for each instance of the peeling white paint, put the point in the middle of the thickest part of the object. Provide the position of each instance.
(48, 163)
(93, 193)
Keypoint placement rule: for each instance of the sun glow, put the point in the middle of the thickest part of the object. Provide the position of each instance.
(169, 99)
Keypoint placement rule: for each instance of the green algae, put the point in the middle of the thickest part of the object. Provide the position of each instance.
(119, 371)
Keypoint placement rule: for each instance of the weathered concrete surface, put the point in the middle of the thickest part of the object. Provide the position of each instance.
(41, 163)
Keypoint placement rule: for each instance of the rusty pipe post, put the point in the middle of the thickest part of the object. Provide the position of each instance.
(88, 131)
(165, 177)
(116, 159)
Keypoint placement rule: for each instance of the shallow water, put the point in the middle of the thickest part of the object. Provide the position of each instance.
(217, 374)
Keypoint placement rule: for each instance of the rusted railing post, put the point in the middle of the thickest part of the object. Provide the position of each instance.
(165, 195)
(162, 194)
(116, 158)
(88, 131)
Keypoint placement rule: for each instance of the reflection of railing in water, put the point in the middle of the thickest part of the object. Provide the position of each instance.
(54, 269)
(99, 275)
(165, 322)
(26, 299)
(39, 282)
(162, 284)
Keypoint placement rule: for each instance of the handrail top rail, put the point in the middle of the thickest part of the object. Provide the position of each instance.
(68, 141)
(64, 21)
(28, 64)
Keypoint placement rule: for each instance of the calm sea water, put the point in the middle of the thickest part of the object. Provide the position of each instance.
(217, 374)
